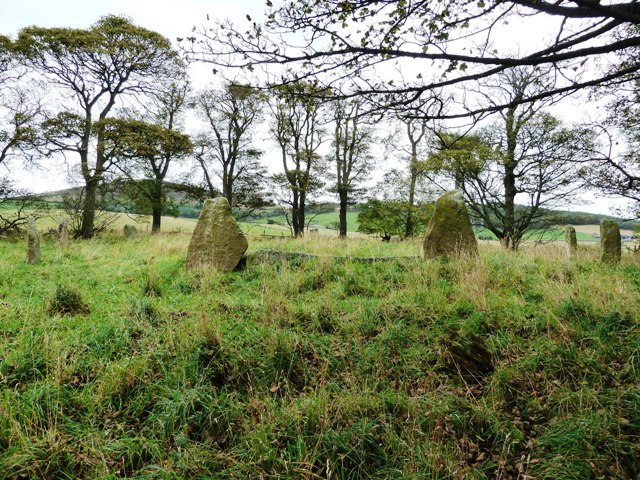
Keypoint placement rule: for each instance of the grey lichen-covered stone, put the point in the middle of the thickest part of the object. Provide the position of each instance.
(571, 242)
(33, 242)
(217, 240)
(130, 231)
(610, 242)
(449, 232)
(63, 233)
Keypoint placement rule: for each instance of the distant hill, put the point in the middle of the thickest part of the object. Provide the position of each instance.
(583, 218)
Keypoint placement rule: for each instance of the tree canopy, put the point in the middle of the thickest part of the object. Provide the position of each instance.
(347, 44)
(226, 148)
(94, 68)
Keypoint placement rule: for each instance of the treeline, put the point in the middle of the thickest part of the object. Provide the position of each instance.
(113, 99)
(583, 218)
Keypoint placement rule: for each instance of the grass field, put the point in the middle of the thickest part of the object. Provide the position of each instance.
(115, 362)
(186, 225)
(329, 220)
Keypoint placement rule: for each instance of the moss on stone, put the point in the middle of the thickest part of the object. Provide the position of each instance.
(449, 232)
(571, 240)
(610, 242)
(217, 240)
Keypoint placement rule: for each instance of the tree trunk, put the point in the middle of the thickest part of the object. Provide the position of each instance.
(88, 209)
(227, 188)
(298, 228)
(509, 209)
(156, 214)
(295, 215)
(344, 199)
(156, 206)
(509, 181)
(409, 224)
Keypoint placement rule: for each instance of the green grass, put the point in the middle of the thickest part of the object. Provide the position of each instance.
(539, 235)
(328, 220)
(116, 362)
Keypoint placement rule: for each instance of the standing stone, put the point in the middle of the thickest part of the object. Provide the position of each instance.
(571, 242)
(217, 240)
(33, 242)
(610, 241)
(449, 232)
(130, 231)
(63, 234)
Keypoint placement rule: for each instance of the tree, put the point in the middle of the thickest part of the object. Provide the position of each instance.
(617, 172)
(145, 175)
(94, 68)
(389, 217)
(297, 129)
(618, 175)
(451, 42)
(535, 165)
(20, 107)
(7, 57)
(511, 192)
(20, 112)
(416, 130)
(147, 149)
(17, 206)
(527, 156)
(107, 201)
(351, 156)
(226, 150)
(398, 186)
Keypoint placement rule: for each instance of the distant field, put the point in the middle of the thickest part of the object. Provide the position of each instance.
(584, 233)
(591, 229)
(324, 219)
(171, 224)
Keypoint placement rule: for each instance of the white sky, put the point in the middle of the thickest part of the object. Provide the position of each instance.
(175, 18)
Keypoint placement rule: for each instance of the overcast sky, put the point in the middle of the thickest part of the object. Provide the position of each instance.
(176, 19)
(170, 17)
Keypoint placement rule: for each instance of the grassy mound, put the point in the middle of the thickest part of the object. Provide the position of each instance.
(505, 366)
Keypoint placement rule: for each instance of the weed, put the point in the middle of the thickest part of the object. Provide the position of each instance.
(67, 301)
(144, 310)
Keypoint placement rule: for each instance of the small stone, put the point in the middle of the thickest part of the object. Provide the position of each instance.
(63, 234)
(217, 240)
(571, 242)
(449, 232)
(33, 242)
(130, 232)
(610, 242)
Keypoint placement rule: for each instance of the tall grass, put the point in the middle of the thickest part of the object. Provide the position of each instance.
(507, 366)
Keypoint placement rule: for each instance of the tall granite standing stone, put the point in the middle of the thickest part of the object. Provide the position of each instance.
(571, 242)
(130, 231)
(33, 242)
(449, 232)
(610, 242)
(217, 240)
(63, 233)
